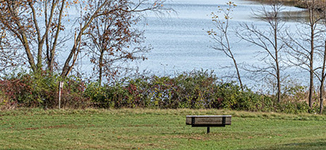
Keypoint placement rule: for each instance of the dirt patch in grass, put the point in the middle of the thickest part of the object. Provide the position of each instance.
(53, 127)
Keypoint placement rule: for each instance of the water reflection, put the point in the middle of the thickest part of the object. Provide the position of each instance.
(294, 16)
(289, 16)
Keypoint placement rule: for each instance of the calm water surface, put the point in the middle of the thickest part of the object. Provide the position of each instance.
(181, 42)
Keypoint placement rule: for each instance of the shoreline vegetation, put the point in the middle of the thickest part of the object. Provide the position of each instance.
(194, 90)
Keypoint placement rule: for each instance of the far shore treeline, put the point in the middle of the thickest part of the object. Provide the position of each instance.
(296, 3)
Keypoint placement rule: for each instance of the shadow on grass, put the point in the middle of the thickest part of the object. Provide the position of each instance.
(297, 146)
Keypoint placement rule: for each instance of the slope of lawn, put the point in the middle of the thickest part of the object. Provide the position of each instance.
(157, 129)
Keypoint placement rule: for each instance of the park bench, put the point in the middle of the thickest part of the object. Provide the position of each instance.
(208, 121)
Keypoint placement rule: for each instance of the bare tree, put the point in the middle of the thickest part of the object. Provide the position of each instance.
(322, 75)
(321, 78)
(268, 40)
(303, 46)
(221, 35)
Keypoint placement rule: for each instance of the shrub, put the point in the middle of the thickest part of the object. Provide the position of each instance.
(198, 89)
(41, 90)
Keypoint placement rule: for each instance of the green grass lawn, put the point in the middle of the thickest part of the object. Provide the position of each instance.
(157, 129)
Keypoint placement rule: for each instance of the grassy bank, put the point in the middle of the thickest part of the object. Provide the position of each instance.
(156, 129)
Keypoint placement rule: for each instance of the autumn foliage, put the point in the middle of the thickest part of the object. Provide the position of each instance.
(53, 35)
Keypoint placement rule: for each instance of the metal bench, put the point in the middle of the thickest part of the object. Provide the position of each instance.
(208, 121)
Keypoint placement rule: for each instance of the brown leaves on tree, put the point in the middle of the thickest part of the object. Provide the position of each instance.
(36, 31)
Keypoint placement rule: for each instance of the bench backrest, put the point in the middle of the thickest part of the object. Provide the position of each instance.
(208, 120)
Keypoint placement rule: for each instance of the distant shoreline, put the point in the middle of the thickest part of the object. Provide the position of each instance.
(294, 3)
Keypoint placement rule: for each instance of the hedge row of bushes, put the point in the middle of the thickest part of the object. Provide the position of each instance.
(198, 89)
(41, 90)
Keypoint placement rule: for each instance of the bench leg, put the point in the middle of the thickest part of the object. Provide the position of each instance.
(208, 130)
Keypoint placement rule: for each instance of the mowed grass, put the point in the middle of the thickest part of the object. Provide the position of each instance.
(157, 129)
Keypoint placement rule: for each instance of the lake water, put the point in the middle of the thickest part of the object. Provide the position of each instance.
(181, 42)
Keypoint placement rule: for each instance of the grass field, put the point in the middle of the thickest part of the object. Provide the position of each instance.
(156, 129)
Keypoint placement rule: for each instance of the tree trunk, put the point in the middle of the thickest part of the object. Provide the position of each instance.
(40, 42)
(321, 90)
(311, 63)
(278, 76)
(74, 51)
(311, 76)
(56, 37)
(238, 73)
(28, 52)
(321, 97)
(100, 65)
(232, 57)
